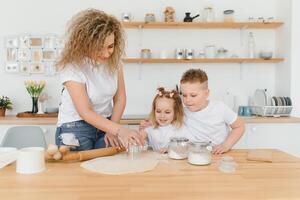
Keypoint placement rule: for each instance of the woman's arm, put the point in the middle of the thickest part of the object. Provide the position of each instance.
(119, 99)
(118, 109)
(238, 129)
(83, 106)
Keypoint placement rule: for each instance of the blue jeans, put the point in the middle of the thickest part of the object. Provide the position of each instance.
(87, 135)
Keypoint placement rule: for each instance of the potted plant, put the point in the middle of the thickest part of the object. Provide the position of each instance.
(5, 103)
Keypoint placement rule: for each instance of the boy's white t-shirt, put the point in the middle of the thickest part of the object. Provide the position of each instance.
(101, 86)
(159, 137)
(210, 124)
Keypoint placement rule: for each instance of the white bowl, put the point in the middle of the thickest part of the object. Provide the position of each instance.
(266, 54)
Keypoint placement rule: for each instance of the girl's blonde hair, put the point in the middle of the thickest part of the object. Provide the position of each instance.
(177, 106)
(86, 34)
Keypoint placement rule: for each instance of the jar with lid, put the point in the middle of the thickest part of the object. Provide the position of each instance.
(210, 51)
(199, 153)
(228, 15)
(145, 53)
(222, 53)
(149, 17)
(178, 148)
(208, 14)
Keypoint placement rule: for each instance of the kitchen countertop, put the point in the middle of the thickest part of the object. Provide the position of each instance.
(172, 179)
(135, 120)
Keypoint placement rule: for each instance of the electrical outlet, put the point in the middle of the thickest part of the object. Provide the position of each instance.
(12, 68)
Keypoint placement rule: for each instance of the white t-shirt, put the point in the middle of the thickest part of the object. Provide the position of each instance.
(101, 86)
(210, 124)
(159, 137)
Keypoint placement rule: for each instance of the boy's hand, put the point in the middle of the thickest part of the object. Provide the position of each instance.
(221, 148)
(144, 124)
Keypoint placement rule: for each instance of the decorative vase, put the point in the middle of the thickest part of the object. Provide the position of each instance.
(35, 108)
(2, 112)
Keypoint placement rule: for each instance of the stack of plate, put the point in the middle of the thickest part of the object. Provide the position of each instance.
(275, 106)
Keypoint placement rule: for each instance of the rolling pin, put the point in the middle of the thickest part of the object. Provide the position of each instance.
(90, 154)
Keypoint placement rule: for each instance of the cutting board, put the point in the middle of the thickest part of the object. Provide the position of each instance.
(28, 114)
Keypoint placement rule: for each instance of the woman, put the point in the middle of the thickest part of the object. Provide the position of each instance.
(92, 75)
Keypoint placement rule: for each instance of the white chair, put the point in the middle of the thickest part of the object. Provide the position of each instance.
(24, 136)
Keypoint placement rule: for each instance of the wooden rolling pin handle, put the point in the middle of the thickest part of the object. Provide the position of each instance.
(95, 153)
(71, 156)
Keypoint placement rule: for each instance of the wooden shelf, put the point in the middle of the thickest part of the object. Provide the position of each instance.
(202, 60)
(202, 25)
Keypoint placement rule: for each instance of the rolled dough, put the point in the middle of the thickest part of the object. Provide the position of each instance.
(123, 164)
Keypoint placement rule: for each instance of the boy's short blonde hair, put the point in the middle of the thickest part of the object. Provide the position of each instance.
(194, 76)
(86, 34)
(177, 106)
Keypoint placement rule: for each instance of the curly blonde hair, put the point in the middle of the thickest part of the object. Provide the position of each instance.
(86, 34)
(177, 106)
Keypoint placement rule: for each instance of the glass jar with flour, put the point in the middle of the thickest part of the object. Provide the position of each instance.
(199, 153)
(178, 148)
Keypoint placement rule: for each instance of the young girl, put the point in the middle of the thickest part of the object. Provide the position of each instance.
(93, 98)
(167, 119)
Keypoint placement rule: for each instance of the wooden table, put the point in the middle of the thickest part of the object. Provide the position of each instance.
(170, 180)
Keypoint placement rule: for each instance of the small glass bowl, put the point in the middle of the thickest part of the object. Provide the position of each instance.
(227, 164)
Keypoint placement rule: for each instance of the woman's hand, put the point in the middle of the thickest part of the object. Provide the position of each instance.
(221, 148)
(112, 140)
(129, 136)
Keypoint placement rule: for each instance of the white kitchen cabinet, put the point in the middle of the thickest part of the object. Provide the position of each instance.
(285, 137)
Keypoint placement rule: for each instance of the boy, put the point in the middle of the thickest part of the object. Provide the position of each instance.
(207, 120)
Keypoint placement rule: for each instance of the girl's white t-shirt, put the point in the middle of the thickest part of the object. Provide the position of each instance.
(101, 86)
(210, 124)
(159, 137)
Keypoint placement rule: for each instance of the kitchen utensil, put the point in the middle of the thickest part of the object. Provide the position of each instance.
(208, 14)
(266, 54)
(90, 154)
(199, 153)
(210, 51)
(179, 53)
(227, 164)
(178, 148)
(188, 17)
(260, 97)
(126, 17)
(228, 15)
(31, 160)
(149, 17)
(189, 54)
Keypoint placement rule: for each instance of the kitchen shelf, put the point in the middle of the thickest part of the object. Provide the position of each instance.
(202, 25)
(202, 60)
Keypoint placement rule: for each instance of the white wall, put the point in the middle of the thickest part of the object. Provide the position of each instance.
(42, 17)
(295, 52)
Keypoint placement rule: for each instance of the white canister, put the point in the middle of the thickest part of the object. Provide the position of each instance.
(31, 160)
(189, 54)
(210, 51)
(179, 53)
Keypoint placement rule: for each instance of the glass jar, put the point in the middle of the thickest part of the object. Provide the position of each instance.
(228, 15)
(222, 53)
(208, 14)
(199, 153)
(145, 53)
(178, 148)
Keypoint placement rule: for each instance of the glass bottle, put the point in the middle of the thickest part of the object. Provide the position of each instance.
(251, 45)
